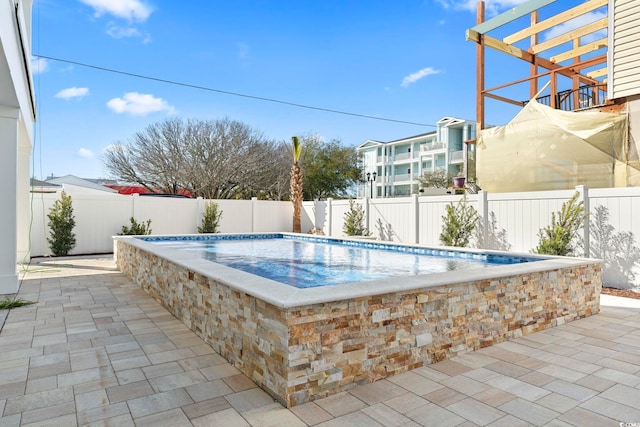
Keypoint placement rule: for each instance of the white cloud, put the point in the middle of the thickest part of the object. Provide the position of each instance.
(121, 32)
(131, 10)
(39, 65)
(414, 77)
(73, 92)
(118, 32)
(491, 7)
(85, 153)
(139, 104)
(577, 22)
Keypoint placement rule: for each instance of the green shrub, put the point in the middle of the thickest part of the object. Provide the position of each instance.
(354, 221)
(210, 218)
(136, 229)
(560, 237)
(61, 223)
(458, 224)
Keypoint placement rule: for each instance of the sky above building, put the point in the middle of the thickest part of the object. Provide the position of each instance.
(350, 70)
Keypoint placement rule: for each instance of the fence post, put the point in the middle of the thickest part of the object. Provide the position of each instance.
(254, 217)
(416, 218)
(366, 213)
(483, 211)
(584, 198)
(329, 215)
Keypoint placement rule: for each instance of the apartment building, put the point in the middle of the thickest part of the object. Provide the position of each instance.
(392, 169)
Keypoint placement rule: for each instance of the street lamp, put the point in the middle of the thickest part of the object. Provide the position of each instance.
(371, 178)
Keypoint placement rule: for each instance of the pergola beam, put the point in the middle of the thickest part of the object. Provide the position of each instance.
(503, 99)
(598, 73)
(520, 53)
(579, 51)
(510, 15)
(570, 36)
(555, 20)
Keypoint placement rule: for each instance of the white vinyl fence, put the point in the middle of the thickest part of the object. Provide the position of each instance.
(99, 217)
(509, 220)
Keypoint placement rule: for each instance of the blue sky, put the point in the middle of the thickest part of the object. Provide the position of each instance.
(405, 60)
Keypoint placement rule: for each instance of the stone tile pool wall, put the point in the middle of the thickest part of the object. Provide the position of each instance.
(301, 353)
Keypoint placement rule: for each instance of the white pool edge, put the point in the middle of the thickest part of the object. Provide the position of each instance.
(285, 296)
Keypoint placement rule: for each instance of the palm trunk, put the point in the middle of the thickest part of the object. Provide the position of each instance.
(296, 197)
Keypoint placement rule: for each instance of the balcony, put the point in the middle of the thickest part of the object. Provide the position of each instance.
(403, 156)
(431, 146)
(404, 177)
(456, 157)
(575, 99)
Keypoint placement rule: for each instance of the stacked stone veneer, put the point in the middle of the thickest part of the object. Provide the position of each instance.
(303, 353)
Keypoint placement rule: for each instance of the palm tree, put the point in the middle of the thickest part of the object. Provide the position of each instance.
(296, 185)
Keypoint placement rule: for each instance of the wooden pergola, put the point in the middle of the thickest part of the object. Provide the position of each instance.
(585, 74)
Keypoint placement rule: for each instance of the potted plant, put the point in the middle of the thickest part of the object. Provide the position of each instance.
(459, 179)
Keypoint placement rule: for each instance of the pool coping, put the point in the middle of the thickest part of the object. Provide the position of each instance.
(286, 296)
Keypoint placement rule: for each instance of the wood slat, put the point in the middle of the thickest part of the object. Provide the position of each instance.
(597, 73)
(555, 20)
(503, 99)
(510, 15)
(524, 55)
(582, 50)
(571, 35)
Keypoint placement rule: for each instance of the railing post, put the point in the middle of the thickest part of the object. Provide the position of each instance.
(584, 198)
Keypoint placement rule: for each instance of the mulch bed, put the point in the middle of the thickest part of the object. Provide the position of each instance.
(626, 293)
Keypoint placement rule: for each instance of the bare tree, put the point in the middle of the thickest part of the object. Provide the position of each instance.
(213, 159)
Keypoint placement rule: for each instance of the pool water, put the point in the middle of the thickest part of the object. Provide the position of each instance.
(306, 263)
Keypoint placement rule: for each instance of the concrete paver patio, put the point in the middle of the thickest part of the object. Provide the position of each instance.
(96, 350)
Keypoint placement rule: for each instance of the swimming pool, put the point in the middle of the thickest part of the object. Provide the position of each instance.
(300, 344)
(305, 262)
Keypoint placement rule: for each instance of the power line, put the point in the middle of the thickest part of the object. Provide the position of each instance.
(226, 92)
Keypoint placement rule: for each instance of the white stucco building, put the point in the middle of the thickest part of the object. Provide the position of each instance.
(391, 169)
(17, 114)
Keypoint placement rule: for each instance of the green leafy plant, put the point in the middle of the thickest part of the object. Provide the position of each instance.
(458, 224)
(61, 223)
(136, 229)
(354, 221)
(8, 304)
(210, 218)
(561, 236)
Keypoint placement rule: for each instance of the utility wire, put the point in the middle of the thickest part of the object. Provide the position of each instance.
(226, 92)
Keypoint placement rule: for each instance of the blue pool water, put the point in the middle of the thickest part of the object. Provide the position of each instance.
(312, 261)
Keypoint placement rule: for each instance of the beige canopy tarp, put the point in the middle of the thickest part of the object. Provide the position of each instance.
(547, 149)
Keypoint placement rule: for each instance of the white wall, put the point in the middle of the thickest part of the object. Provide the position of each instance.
(16, 125)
